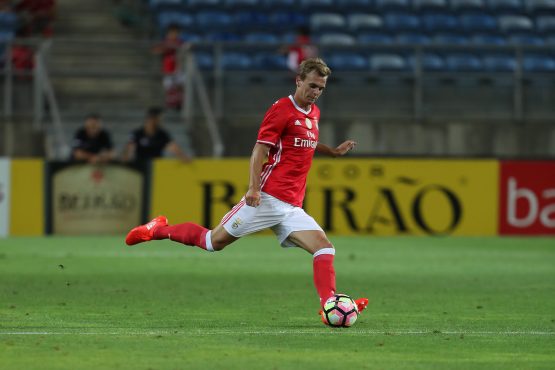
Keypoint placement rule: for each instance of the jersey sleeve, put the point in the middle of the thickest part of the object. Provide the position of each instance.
(272, 126)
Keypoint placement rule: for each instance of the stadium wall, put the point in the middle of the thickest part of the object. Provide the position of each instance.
(347, 196)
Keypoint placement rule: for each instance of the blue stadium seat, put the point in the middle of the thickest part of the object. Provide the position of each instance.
(505, 6)
(439, 21)
(321, 22)
(540, 6)
(515, 23)
(346, 61)
(376, 37)
(550, 40)
(6, 36)
(8, 21)
(478, 22)
(221, 36)
(388, 62)
(488, 39)
(525, 38)
(387, 5)
(205, 4)
(538, 63)
(233, 60)
(272, 61)
(353, 5)
(279, 4)
(499, 62)
(401, 21)
(413, 38)
(450, 38)
(545, 23)
(190, 37)
(460, 5)
(250, 19)
(286, 20)
(238, 4)
(336, 38)
(430, 5)
(167, 18)
(430, 62)
(261, 38)
(205, 60)
(360, 22)
(166, 5)
(211, 19)
(317, 5)
(463, 62)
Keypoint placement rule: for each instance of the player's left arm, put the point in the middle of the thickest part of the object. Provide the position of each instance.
(339, 150)
(173, 148)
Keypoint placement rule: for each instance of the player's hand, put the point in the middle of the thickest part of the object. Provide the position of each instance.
(252, 198)
(345, 147)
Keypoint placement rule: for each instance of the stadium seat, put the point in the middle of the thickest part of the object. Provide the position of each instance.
(461, 5)
(233, 60)
(346, 61)
(360, 22)
(545, 23)
(514, 23)
(430, 5)
(238, 4)
(321, 22)
(388, 62)
(166, 5)
(526, 38)
(376, 37)
(463, 62)
(8, 21)
(279, 4)
(205, 60)
(337, 38)
(388, 5)
(505, 6)
(477, 22)
(488, 39)
(221, 36)
(401, 21)
(205, 4)
(210, 19)
(190, 37)
(286, 20)
(538, 63)
(349, 6)
(167, 18)
(261, 38)
(6, 36)
(412, 38)
(316, 5)
(429, 62)
(439, 21)
(450, 38)
(550, 40)
(540, 6)
(499, 62)
(251, 20)
(268, 60)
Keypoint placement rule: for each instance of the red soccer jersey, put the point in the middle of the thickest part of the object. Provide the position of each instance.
(292, 134)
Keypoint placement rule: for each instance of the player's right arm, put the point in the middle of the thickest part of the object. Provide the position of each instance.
(258, 158)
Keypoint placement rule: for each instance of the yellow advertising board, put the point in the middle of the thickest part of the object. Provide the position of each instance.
(347, 196)
(27, 197)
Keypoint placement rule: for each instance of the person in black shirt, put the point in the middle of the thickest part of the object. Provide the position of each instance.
(92, 143)
(150, 141)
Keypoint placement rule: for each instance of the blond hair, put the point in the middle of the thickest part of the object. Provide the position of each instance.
(314, 64)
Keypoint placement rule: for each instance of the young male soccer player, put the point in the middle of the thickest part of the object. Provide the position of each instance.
(279, 165)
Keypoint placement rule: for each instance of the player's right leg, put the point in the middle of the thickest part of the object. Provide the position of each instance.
(187, 233)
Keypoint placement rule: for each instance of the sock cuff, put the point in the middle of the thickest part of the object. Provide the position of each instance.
(324, 251)
(208, 239)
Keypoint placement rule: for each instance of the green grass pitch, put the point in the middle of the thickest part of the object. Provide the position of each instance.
(436, 303)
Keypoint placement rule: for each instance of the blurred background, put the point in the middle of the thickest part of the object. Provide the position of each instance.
(427, 79)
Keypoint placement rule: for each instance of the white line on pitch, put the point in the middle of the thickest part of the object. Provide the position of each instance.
(293, 332)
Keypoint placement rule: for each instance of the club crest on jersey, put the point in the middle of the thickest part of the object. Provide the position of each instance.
(308, 123)
(298, 123)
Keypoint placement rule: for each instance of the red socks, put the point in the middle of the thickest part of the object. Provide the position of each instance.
(187, 233)
(324, 273)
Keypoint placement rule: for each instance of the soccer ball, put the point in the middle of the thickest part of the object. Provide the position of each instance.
(340, 310)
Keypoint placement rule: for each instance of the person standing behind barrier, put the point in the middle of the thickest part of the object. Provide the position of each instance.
(300, 50)
(91, 143)
(151, 141)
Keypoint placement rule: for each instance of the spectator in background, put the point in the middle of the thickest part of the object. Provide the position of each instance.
(151, 141)
(37, 16)
(173, 77)
(300, 50)
(92, 143)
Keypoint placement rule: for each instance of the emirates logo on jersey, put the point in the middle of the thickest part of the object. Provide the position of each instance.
(308, 123)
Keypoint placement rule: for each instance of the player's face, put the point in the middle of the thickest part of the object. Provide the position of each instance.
(310, 89)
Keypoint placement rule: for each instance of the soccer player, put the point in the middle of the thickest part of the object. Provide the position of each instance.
(279, 165)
